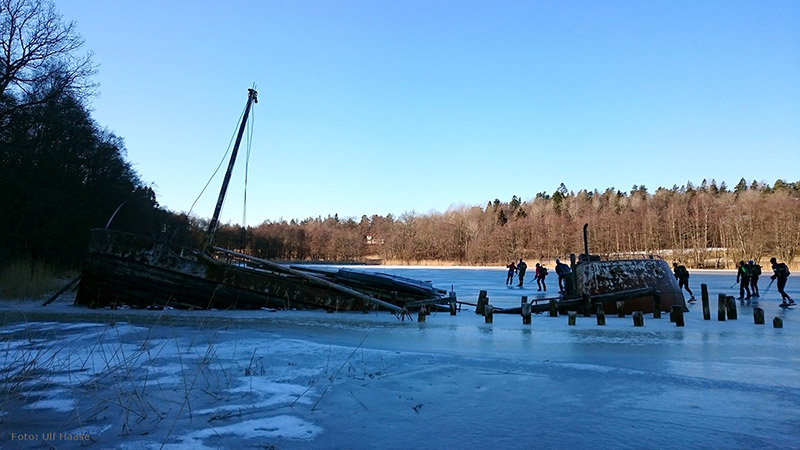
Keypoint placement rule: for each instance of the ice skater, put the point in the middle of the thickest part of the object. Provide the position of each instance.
(512, 269)
(562, 270)
(743, 278)
(755, 271)
(682, 275)
(521, 268)
(541, 272)
(781, 273)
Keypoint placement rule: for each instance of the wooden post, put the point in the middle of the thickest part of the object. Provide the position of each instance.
(620, 309)
(483, 300)
(452, 307)
(587, 305)
(731, 305)
(421, 315)
(706, 307)
(677, 311)
(721, 307)
(638, 319)
(526, 311)
(553, 308)
(672, 315)
(758, 316)
(572, 317)
(489, 313)
(601, 316)
(777, 322)
(656, 305)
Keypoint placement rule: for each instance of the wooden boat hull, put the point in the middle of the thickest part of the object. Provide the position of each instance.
(129, 269)
(381, 285)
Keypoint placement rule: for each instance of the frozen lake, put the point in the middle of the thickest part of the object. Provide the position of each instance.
(307, 379)
(468, 282)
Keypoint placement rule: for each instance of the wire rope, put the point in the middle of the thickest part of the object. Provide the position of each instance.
(221, 162)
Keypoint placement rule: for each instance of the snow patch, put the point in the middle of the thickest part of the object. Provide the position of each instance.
(285, 427)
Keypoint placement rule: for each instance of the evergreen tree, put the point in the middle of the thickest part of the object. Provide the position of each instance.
(741, 186)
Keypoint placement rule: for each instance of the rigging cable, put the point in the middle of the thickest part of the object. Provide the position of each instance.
(221, 162)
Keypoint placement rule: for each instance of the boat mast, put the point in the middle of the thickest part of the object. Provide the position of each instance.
(252, 97)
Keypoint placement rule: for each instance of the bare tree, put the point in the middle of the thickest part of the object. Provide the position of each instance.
(38, 54)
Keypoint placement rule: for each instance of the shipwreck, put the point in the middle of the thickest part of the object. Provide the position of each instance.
(642, 283)
(142, 272)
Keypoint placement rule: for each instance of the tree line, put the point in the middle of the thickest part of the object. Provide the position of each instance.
(705, 226)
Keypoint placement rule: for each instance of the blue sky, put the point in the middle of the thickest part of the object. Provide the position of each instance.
(376, 107)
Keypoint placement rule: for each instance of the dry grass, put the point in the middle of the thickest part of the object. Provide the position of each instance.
(117, 385)
(28, 279)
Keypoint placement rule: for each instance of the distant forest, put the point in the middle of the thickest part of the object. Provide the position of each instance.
(704, 226)
(62, 174)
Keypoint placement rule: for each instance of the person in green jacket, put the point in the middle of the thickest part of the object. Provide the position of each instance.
(743, 278)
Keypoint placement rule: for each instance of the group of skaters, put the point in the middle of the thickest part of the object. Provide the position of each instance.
(562, 270)
(747, 279)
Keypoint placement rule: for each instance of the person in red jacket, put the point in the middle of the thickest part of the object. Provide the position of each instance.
(512, 268)
(541, 272)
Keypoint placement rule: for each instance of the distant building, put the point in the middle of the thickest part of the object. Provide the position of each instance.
(371, 241)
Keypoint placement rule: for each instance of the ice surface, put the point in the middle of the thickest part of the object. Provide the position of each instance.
(306, 379)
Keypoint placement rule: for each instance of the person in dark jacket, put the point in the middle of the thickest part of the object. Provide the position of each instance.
(743, 278)
(682, 275)
(781, 273)
(755, 271)
(562, 270)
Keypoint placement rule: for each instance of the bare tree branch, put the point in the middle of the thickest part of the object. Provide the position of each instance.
(39, 50)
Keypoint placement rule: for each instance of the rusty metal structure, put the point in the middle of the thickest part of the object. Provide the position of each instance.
(637, 282)
(641, 282)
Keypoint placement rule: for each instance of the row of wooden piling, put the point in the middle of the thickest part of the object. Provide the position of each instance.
(726, 310)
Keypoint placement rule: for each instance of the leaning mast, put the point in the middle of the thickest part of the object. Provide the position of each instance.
(252, 97)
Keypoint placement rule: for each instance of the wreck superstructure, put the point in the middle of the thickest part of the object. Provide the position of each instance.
(641, 282)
